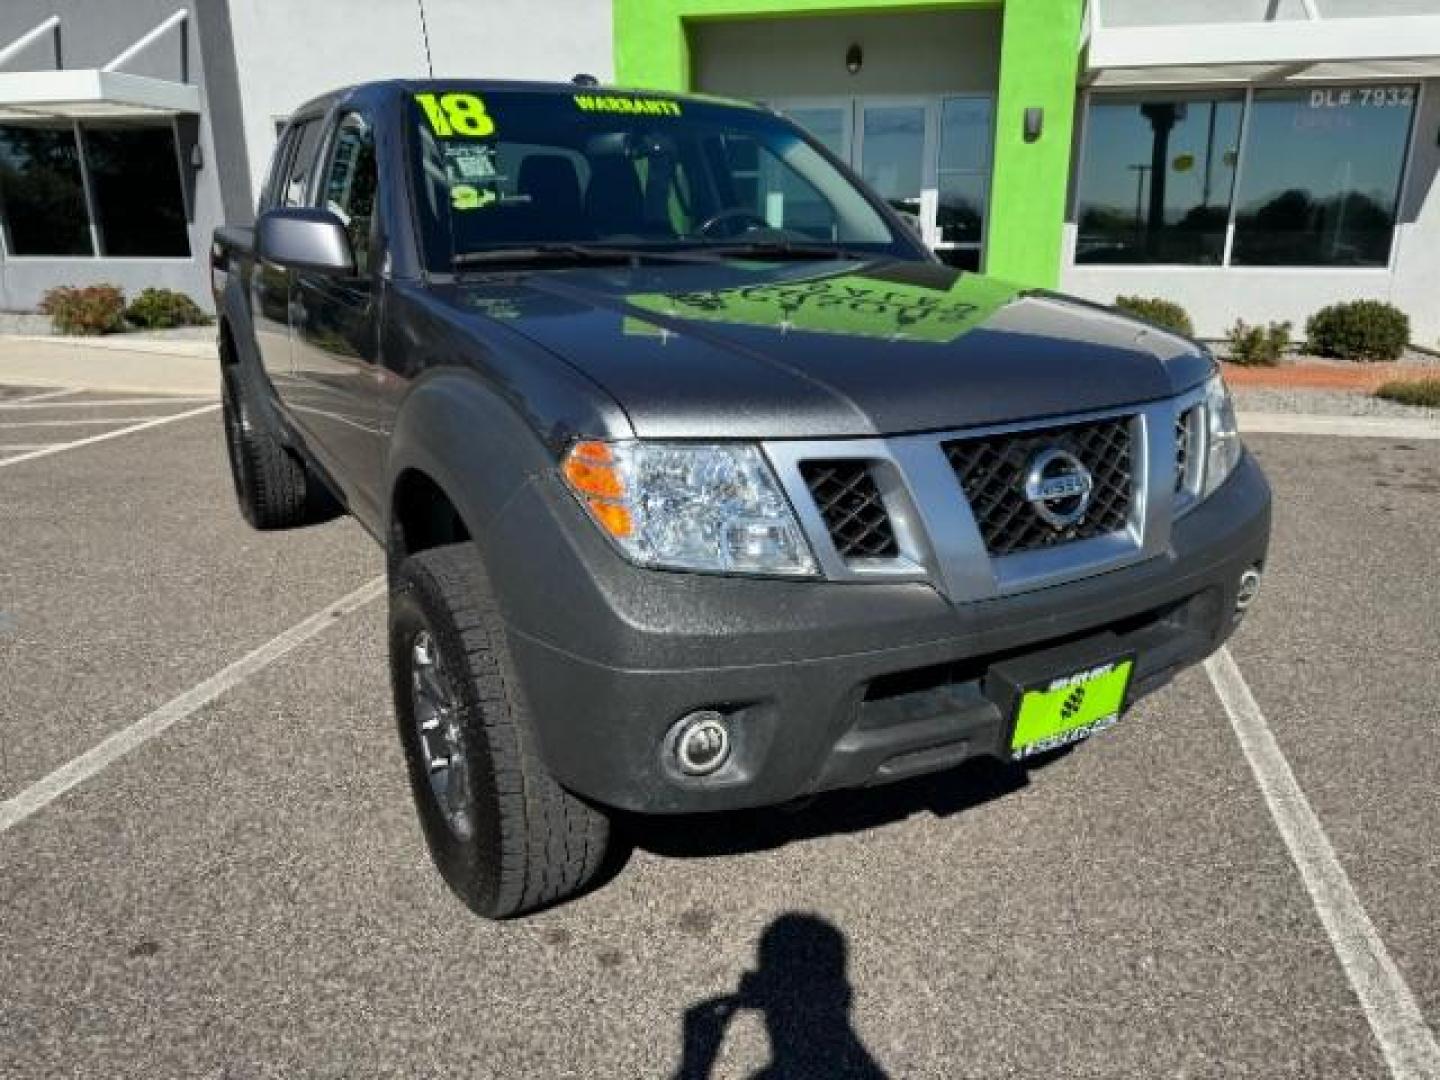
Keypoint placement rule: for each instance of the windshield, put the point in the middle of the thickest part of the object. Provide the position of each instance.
(500, 168)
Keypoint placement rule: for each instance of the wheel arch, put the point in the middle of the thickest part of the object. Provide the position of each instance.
(457, 454)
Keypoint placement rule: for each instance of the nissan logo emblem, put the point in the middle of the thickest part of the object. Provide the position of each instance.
(1058, 487)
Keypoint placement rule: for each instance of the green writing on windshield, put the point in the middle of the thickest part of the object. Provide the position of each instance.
(633, 106)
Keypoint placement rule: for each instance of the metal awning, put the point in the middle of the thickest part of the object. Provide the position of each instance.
(82, 94)
(71, 93)
(1271, 43)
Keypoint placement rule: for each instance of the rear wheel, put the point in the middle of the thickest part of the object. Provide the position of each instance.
(272, 485)
(504, 834)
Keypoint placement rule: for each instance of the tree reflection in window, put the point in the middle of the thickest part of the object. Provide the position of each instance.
(42, 196)
(1157, 179)
(1322, 176)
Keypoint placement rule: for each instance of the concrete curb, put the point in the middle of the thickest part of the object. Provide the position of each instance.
(143, 365)
(1377, 427)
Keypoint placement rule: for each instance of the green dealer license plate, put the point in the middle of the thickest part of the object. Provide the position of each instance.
(1070, 708)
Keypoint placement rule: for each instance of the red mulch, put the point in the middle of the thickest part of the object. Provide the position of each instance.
(1310, 376)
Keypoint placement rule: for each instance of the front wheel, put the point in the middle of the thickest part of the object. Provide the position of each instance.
(503, 833)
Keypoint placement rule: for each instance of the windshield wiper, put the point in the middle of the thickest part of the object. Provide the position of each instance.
(782, 249)
(572, 252)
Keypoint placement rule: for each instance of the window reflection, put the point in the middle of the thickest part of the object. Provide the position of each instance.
(136, 198)
(1322, 176)
(964, 170)
(1157, 179)
(136, 178)
(42, 196)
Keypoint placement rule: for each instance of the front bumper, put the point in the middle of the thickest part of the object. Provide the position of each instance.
(827, 684)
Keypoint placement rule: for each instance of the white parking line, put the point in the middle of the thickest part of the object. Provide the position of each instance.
(76, 771)
(44, 396)
(29, 403)
(1406, 1041)
(73, 422)
(91, 439)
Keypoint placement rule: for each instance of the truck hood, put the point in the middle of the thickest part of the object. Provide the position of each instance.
(828, 349)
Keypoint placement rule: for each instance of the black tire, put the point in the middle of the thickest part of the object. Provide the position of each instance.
(530, 843)
(272, 485)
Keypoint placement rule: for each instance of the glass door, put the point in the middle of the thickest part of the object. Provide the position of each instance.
(929, 158)
(963, 179)
(831, 122)
(893, 138)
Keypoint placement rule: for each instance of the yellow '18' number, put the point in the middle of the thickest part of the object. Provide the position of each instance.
(451, 113)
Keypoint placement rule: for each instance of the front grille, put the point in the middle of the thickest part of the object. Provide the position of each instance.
(1182, 446)
(991, 470)
(848, 500)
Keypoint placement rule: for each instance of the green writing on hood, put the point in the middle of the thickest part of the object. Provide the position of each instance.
(850, 304)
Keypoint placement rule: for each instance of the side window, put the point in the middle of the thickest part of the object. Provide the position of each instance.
(298, 173)
(349, 190)
(279, 163)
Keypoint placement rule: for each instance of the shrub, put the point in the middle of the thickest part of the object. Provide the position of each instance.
(1153, 309)
(1359, 330)
(94, 309)
(1258, 346)
(160, 309)
(1422, 392)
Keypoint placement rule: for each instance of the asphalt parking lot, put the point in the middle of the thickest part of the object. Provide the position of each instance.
(235, 885)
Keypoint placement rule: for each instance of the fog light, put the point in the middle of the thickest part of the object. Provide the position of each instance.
(700, 743)
(1248, 588)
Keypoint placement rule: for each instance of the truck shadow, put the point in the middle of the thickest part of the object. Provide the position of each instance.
(801, 989)
(713, 835)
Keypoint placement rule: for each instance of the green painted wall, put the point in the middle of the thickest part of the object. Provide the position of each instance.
(1038, 67)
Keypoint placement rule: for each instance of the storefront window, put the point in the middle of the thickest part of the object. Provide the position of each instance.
(135, 175)
(1321, 176)
(42, 194)
(1157, 178)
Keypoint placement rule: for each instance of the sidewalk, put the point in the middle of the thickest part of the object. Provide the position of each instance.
(120, 362)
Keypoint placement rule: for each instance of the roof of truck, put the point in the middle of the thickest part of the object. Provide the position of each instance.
(324, 101)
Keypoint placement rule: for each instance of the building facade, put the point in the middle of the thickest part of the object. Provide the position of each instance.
(1250, 159)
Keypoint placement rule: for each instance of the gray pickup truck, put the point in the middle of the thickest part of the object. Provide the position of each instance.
(703, 484)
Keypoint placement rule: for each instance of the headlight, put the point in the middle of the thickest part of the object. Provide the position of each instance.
(685, 506)
(1222, 436)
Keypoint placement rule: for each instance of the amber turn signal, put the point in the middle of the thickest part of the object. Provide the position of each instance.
(613, 517)
(593, 472)
(591, 469)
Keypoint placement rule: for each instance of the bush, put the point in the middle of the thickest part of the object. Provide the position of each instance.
(1422, 392)
(94, 309)
(1153, 309)
(1258, 346)
(160, 309)
(1360, 330)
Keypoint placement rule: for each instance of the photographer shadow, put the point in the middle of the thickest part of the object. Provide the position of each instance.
(801, 989)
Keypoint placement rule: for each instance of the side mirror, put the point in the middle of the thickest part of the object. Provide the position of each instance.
(304, 238)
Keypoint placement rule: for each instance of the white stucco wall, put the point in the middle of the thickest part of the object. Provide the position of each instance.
(1216, 296)
(914, 53)
(290, 52)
